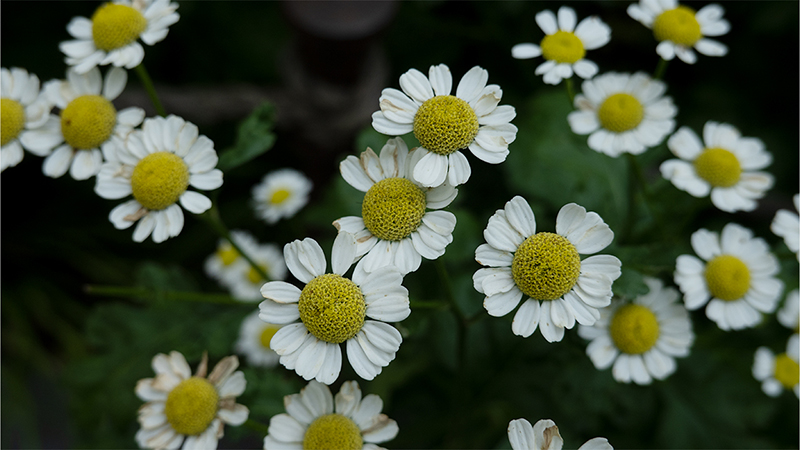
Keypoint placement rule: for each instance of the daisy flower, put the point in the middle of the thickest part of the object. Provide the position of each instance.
(780, 372)
(678, 28)
(737, 272)
(623, 113)
(545, 267)
(281, 194)
(157, 164)
(445, 124)
(789, 314)
(331, 310)
(110, 36)
(315, 419)
(254, 338)
(395, 228)
(641, 338)
(189, 409)
(724, 166)
(227, 259)
(786, 224)
(244, 282)
(544, 435)
(565, 45)
(23, 110)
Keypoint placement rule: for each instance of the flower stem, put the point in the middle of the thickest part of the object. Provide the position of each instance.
(660, 69)
(257, 426)
(144, 77)
(570, 90)
(140, 291)
(213, 219)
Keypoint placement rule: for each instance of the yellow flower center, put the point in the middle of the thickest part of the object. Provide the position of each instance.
(634, 329)
(115, 26)
(718, 166)
(227, 254)
(191, 406)
(393, 208)
(12, 120)
(88, 121)
(279, 196)
(620, 112)
(254, 276)
(267, 333)
(333, 431)
(444, 124)
(332, 308)
(159, 179)
(677, 25)
(787, 371)
(563, 47)
(728, 278)
(546, 266)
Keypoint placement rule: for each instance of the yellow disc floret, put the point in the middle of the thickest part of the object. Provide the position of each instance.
(634, 329)
(227, 254)
(563, 47)
(159, 180)
(279, 196)
(620, 112)
(267, 333)
(12, 120)
(728, 278)
(677, 25)
(88, 121)
(115, 26)
(393, 208)
(787, 371)
(718, 166)
(546, 266)
(333, 431)
(444, 124)
(191, 406)
(332, 308)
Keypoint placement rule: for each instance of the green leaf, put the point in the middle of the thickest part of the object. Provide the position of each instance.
(255, 137)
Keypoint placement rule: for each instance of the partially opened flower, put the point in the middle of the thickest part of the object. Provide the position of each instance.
(623, 113)
(314, 419)
(726, 166)
(641, 338)
(544, 435)
(395, 228)
(189, 409)
(281, 194)
(786, 224)
(679, 28)
(789, 314)
(444, 124)
(564, 45)
(736, 272)
(111, 35)
(546, 268)
(255, 336)
(778, 372)
(22, 111)
(332, 309)
(157, 164)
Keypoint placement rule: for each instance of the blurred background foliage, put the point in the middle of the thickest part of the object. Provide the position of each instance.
(70, 358)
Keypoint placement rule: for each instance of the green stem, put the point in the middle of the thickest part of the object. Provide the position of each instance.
(638, 174)
(257, 426)
(570, 90)
(139, 292)
(660, 69)
(213, 219)
(144, 77)
(463, 321)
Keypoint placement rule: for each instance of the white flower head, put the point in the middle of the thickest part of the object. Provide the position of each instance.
(789, 314)
(564, 45)
(641, 338)
(726, 166)
(157, 164)
(23, 110)
(244, 281)
(780, 372)
(735, 271)
(189, 409)
(281, 194)
(444, 124)
(227, 258)
(679, 28)
(316, 419)
(544, 435)
(331, 310)
(786, 224)
(395, 228)
(111, 35)
(546, 267)
(623, 113)
(254, 338)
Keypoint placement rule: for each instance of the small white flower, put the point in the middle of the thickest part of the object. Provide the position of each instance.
(23, 110)
(725, 166)
(110, 36)
(786, 224)
(157, 164)
(642, 338)
(780, 372)
(395, 228)
(545, 267)
(244, 282)
(281, 194)
(679, 29)
(445, 124)
(789, 314)
(254, 338)
(315, 419)
(737, 272)
(544, 435)
(227, 259)
(623, 113)
(565, 45)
